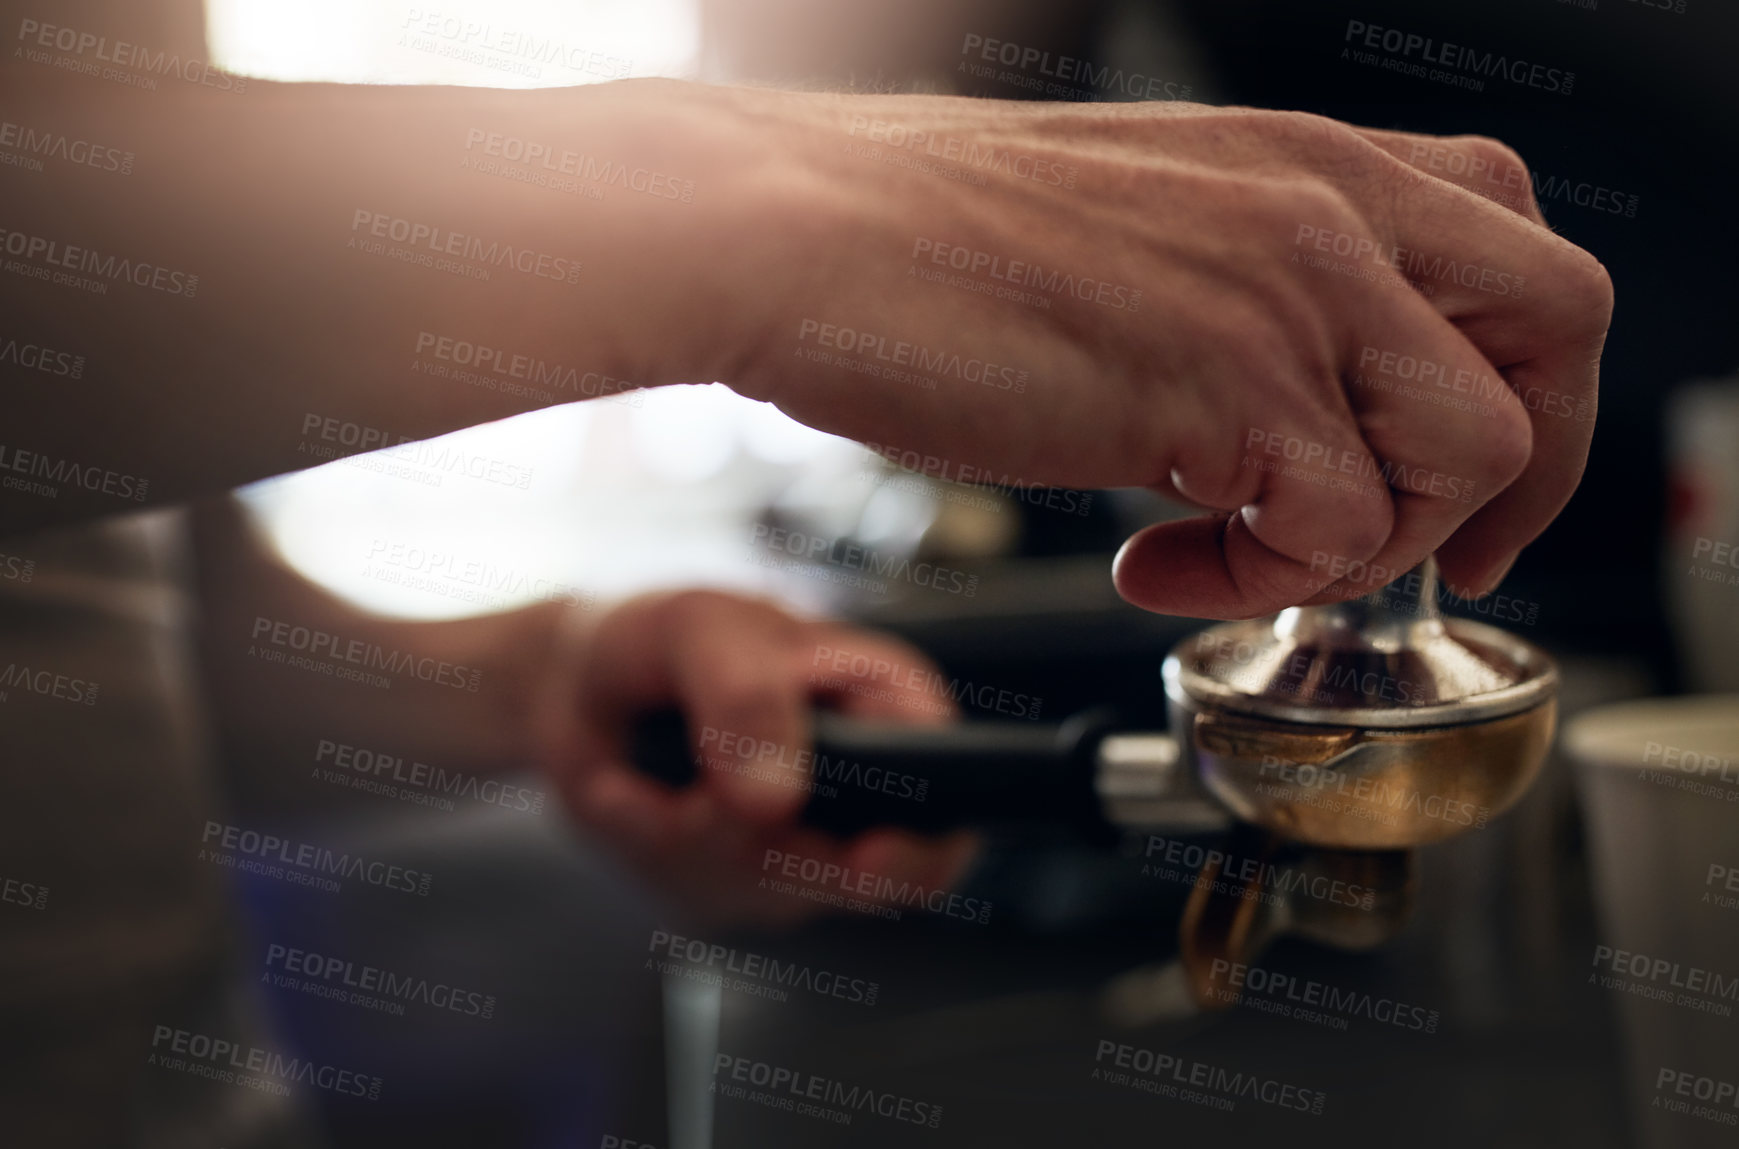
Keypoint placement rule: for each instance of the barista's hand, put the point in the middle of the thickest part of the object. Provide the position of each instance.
(744, 674)
(1350, 359)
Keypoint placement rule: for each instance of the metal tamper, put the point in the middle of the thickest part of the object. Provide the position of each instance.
(1328, 741)
(1343, 737)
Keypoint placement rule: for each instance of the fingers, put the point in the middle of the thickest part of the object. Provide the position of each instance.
(712, 861)
(1479, 164)
(1451, 434)
(1218, 567)
(1302, 482)
(746, 682)
(733, 673)
(1320, 492)
(1476, 559)
(743, 673)
(873, 676)
(1534, 306)
(1186, 568)
(1537, 308)
(1433, 432)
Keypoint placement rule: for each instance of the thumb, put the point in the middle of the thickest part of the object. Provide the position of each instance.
(748, 718)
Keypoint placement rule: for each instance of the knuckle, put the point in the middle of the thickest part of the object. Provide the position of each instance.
(745, 702)
(1329, 202)
(1591, 287)
(1501, 156)
(690, 606)
(1311, 211)
(1363, 534)
(697, 611)
(1504, 453)
(1318, 133)
(1341, 154)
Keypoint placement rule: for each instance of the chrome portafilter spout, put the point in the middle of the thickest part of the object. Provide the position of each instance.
(1343, 737)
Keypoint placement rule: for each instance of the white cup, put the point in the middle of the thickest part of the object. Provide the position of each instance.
(1659, 784)
(1701, 563)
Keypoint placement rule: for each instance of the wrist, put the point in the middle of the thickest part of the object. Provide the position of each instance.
(703, 280)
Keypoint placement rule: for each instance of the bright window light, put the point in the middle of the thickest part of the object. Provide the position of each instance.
(486, 43)
(620, 495)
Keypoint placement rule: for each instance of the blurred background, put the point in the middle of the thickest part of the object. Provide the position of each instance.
(668, 488)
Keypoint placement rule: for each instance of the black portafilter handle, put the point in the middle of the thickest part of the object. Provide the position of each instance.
(862, 774)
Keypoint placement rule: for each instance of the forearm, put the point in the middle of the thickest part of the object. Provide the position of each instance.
(292, 668)
(271, 283)
(959, 278)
